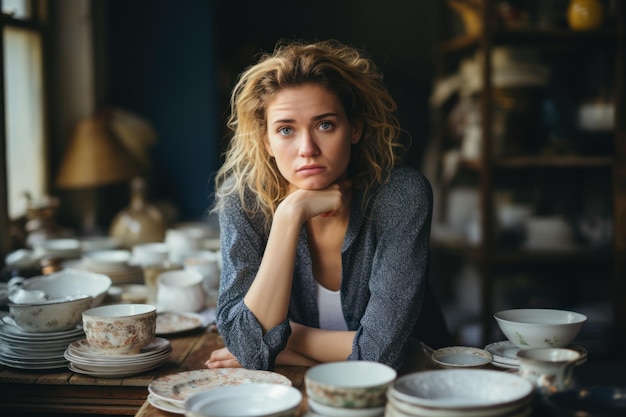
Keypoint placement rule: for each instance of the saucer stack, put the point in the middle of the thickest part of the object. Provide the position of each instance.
(504, 354)
(169, 392)
(115, 263)
(25, 350)
(85, 359)
(459, 393)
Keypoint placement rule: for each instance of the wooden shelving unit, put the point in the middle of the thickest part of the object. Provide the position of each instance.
(488, 254)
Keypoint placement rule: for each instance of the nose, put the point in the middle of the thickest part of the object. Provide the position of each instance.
(308, 146)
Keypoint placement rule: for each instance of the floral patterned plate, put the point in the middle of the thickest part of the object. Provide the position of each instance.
(171, 323)
(177, 387)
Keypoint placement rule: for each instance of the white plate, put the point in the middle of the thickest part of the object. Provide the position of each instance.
(172, 323)
(116, 368)
(11, 329)
(461, 389)
(246, 400)
(113, 374)
(92, 364)
(177, 387)
(165, 405)
(325, 410)
(505, 354)
(83, 349)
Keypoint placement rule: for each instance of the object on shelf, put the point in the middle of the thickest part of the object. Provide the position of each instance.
(140, 222)
(585, 14)
(469, 11)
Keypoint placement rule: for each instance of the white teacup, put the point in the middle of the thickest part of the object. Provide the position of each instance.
(180, 291)
(205, 262)
(549, 369)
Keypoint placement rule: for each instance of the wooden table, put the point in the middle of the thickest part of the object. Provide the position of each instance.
(66, 392)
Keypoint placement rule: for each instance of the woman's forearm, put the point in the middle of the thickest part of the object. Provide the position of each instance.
(269, 294)
(320, 345)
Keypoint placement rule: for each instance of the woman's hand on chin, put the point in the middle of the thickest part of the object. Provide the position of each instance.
(222, 358)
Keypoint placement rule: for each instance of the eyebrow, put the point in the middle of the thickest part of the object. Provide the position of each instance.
(315, 118)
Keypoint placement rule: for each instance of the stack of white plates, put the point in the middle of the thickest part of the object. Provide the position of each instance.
(504, 354)
(120, 273)
(459, 393)
(169, 392)
(57, 248)
(25, 350)
(85, 359)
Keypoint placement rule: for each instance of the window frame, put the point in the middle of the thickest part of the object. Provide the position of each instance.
(38, 23)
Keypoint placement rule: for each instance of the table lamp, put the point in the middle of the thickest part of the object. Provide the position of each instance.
(95, 158)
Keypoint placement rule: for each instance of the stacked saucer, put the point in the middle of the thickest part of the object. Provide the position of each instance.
(88, 360)
(168, 393)
(113, 263)
(459, 393)
(26, 350)
(504, 354)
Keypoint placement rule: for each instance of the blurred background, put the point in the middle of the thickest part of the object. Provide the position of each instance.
(114, 119)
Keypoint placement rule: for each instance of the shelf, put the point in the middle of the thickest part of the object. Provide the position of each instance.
(557, 35)
(530, 162)
(580, 254)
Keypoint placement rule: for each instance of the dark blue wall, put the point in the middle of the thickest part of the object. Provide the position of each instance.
(161, 58)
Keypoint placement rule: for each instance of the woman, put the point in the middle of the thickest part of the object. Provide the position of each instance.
(324, 236)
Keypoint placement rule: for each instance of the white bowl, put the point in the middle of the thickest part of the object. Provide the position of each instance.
(71, 282)
(471, 390)
(245, 400)
(349, 384)
(50, 316)
(120, 328)
(540, 328)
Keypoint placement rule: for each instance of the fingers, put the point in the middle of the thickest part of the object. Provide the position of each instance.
(222, 358)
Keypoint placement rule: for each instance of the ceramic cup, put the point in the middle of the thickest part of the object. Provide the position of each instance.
(151, 274)
(180, 291)
(205, 262)
(549, 369)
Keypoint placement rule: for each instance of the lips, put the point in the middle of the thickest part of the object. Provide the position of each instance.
(311, 169)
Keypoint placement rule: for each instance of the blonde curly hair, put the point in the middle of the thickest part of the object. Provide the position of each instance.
(343, 71)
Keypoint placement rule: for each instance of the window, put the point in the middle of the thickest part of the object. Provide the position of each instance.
(22, 124)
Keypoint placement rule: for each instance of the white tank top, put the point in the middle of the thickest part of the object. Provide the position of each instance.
(329, 306)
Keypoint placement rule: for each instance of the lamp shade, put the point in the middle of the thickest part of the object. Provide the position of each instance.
(95, 157)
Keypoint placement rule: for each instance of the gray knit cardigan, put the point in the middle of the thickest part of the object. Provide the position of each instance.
(384, 261)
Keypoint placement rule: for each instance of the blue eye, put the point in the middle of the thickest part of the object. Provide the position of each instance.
(326, 125)
(285, 131)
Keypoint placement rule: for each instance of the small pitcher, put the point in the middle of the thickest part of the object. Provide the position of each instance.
(549, 369)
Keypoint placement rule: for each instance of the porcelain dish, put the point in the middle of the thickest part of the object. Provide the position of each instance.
(70, 282)
(50, 316)
(120, 328)
(504, 354)
(176, 388)
(461, 357)
(539, 328)
(349, 384)
(478, 392)
(245, 400)
(172, 323)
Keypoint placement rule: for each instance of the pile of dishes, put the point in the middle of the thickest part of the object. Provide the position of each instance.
(34, 351)
(115, 263)
(504, 354)
(86, 359)
(459, 392)
(168, 393)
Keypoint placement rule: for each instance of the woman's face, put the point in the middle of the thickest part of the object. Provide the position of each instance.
(310, 136)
